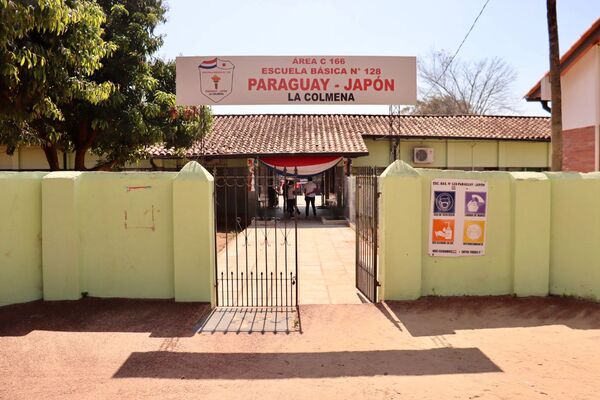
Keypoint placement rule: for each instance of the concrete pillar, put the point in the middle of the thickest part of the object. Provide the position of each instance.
(531, 240)
(193, 234)
(20, 230)
(60, 236)
(400, 238)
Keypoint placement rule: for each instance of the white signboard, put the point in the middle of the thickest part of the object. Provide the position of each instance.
(241, 80)
(458, 217)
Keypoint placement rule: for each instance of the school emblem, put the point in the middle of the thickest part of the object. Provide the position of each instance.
(216, 78)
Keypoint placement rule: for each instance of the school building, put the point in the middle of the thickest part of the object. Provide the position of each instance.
(461, 142)
(580, 87)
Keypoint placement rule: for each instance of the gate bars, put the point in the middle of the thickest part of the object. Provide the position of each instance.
(258, 265)
(366, 226)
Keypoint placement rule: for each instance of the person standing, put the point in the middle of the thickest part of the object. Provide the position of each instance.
(310, 193)
(291, 199)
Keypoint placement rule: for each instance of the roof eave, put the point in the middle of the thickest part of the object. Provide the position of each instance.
(589, 38)
(433, 137)
(253, 155)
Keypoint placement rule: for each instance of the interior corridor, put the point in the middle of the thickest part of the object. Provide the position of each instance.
(326, 267)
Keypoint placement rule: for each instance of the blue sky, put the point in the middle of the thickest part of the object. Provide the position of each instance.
(512, 29)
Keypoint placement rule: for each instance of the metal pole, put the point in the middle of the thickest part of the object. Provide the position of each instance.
(296, 244)
(357, 227)
(374, 249)
(216, 283)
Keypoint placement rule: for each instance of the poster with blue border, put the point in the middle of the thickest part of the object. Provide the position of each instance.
(458, 217)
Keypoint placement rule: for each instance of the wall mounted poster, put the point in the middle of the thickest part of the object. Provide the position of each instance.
(458, 217)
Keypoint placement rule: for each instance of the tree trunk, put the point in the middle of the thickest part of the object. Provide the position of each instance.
(556, 95)
(106, 166)
(85, 139)
(80, 158)
(51, 157)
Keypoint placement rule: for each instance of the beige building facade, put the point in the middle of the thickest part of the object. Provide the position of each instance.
(580, 87)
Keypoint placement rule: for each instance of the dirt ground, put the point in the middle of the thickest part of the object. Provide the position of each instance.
(434, 348)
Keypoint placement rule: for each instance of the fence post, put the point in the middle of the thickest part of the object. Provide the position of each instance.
(60, 236)
(401, 232)
(193, 234)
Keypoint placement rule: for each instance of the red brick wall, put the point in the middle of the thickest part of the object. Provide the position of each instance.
(578, 149)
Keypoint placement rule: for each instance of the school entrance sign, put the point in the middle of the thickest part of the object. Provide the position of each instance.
(240, 80)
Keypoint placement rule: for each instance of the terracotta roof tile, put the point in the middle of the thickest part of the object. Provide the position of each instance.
(473, 127)
(262, 134)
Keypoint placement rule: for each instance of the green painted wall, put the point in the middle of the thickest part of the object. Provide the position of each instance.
(531, 220)
(379, 154)
(141, 164)
(170, 163)
(477, 154)
(136, 235)
(178, 163)
(236, 162)
(448, 154)
(60, 236)
(194, 235)
(126, 234)
(575, 235)
(32, 158)
(400, 233)
(485, 275)
(462, 154)
(523, 154)
(518, 252)
(439, 146)
(151, 235)
(20, 236)
(8, 162)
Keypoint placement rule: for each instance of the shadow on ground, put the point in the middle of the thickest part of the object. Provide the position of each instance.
(249, 320)
(160, 318)
(431, 316)
(179, 365)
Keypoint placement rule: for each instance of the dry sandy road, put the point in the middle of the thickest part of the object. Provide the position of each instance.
(460, 348)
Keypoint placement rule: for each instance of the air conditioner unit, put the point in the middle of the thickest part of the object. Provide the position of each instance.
(422, 155)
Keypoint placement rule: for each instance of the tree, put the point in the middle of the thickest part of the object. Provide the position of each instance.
(451, 86)
(555, 88)
(141, 111)
(438, 105)
(48, 52)
(86, 81)
(149, 119)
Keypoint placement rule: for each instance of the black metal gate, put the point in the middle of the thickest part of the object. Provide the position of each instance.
(256, 255)
(366, 225)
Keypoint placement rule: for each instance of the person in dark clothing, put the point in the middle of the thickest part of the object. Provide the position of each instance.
(310, 193)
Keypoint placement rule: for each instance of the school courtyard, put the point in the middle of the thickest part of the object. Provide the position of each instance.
(432, 348)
